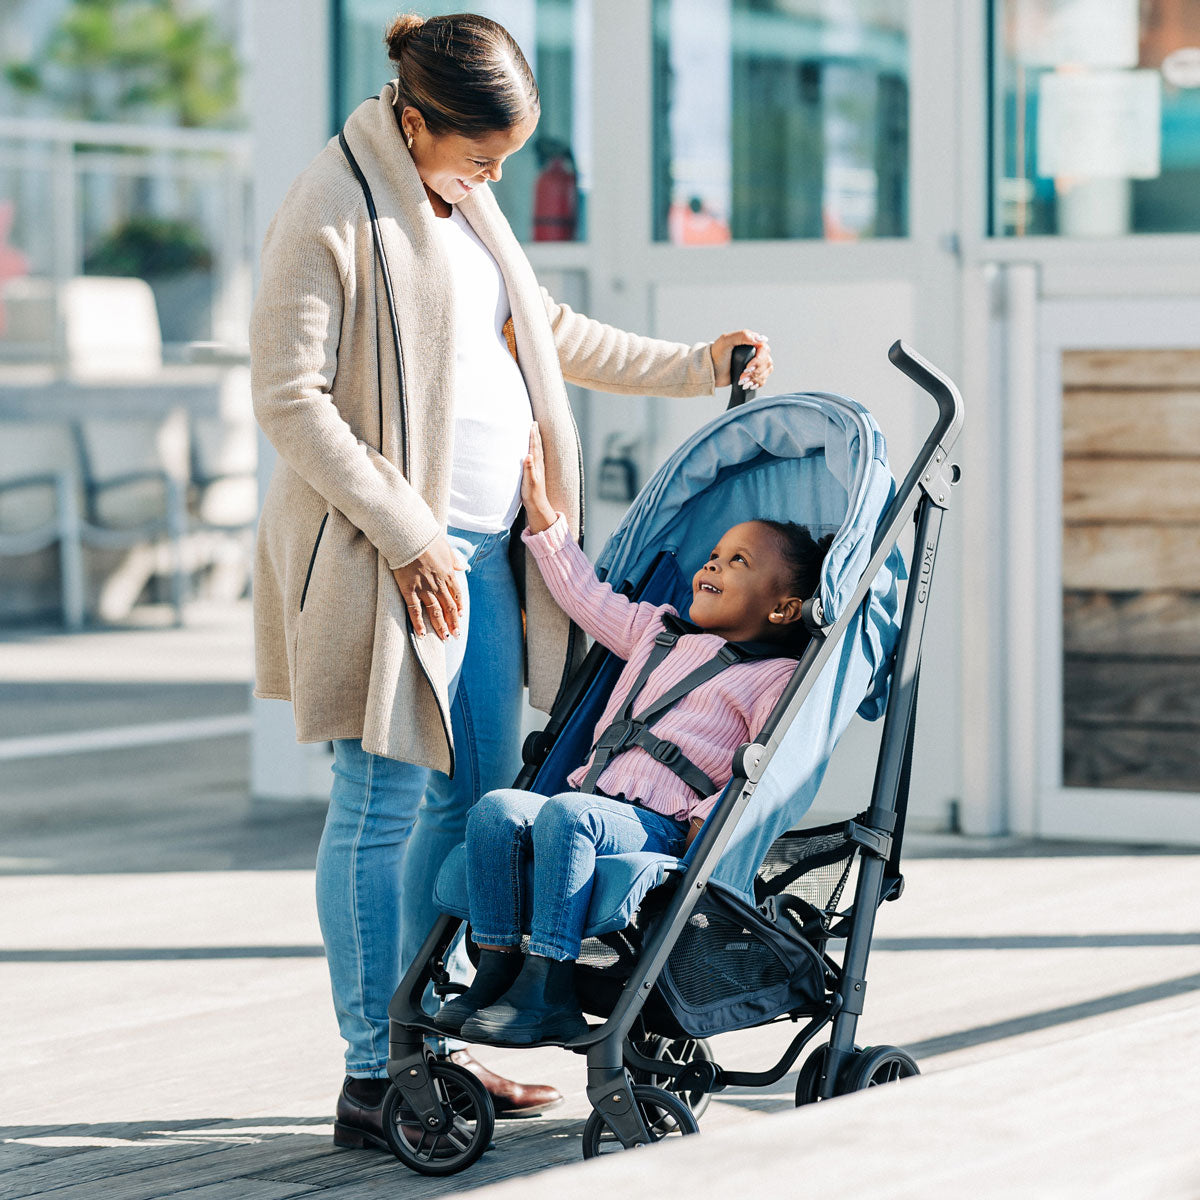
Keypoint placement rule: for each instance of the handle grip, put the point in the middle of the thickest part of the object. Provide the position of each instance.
(738, 361)
(927, 377)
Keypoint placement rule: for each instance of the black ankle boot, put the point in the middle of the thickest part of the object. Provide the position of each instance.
(359, 1120)
(494, 976)
(541, 1006)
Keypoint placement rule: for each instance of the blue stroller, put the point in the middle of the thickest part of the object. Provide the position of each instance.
(747, 928)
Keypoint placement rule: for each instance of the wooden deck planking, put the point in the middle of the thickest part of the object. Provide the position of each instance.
(155, 1171)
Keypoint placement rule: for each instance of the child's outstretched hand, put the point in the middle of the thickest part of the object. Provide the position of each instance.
(538, 511)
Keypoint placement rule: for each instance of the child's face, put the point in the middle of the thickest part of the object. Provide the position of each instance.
(744, 581)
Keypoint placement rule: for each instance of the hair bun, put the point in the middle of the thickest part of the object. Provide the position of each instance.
(399, 32)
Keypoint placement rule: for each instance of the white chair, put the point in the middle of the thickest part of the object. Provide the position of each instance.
(134, 469)
(39, 503)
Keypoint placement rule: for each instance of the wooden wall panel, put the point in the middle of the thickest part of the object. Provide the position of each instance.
(1131, 491)
(1131, 569)
(1130, 757)
(1136, 369)
(1131, 558)
(1150, 424)
(1138, 623)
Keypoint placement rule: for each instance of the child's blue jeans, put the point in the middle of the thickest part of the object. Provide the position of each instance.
(564, 834)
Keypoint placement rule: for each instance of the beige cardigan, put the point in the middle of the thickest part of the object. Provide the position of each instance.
(331, 632)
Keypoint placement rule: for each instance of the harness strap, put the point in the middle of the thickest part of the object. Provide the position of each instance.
(629, 731)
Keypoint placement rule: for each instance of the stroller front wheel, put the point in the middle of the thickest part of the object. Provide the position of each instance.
(663, 1112)
(473, 1120)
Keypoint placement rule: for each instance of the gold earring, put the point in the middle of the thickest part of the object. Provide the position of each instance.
(777, 616)
(410, 141)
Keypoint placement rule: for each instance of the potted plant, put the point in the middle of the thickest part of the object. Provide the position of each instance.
(174, 258)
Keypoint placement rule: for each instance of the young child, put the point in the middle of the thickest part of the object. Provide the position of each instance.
(749, 593)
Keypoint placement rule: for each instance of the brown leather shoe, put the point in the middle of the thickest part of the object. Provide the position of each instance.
(358, 1124)
(509, 1099)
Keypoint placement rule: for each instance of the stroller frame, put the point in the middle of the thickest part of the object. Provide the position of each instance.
(923, 497)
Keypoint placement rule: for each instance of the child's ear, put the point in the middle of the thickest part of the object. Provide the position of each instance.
(787, 612)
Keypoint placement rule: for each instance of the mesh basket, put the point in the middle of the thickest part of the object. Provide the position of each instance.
(733, 968)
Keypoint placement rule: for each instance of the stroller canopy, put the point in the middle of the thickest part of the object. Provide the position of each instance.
(813, 458)
(817, 459)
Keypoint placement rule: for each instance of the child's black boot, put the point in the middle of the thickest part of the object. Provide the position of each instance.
(541, 1006)
(493, 977)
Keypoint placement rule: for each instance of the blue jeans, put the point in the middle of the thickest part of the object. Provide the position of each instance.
(391, 824)
(564, 834)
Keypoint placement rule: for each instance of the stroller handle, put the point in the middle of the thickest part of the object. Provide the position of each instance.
(738, 361)
(927, 377)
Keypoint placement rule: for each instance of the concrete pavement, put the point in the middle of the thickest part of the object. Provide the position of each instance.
(166, 1025)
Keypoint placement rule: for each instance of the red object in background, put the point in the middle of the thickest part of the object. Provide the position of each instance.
(555, 202)
(692, 224)
(12, 262)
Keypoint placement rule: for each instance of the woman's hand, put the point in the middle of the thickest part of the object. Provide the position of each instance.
(428, 586)
(538, 511)
(760, 368)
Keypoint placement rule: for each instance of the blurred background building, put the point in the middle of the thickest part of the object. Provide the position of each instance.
(1009, 185)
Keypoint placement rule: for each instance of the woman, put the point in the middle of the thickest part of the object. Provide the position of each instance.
(397, 480)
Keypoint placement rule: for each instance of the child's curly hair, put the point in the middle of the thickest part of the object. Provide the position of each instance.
(804, 555)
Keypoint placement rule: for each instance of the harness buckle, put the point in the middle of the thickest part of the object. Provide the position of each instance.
(618, 735)
(665, 752)
(729, 654)
(665, 638)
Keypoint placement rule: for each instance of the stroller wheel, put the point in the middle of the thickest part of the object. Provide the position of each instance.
(664, 1113)
(808, 1082)
(455, 1148)
(675, 1050)
(809, 1079)
(877, 1065)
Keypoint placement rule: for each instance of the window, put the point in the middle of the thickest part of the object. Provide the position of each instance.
(780, 119)
(1095, 117)
(544, 189)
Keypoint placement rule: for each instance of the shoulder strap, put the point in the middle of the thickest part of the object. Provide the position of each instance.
(629, 731)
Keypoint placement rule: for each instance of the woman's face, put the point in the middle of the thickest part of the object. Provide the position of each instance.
(451, 165)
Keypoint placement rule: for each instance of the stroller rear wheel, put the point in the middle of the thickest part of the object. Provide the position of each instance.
(664, 1113)
(455, 1148)
(682, 1050)
(877, 1065)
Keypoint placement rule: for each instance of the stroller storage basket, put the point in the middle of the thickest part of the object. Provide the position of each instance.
(730, 953)
(733, 968)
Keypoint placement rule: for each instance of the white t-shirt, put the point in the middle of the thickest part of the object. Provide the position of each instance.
(492, 413)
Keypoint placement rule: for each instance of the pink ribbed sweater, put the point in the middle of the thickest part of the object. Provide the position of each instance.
(708, 725)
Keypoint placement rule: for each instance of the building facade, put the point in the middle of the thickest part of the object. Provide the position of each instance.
(1008, 186)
